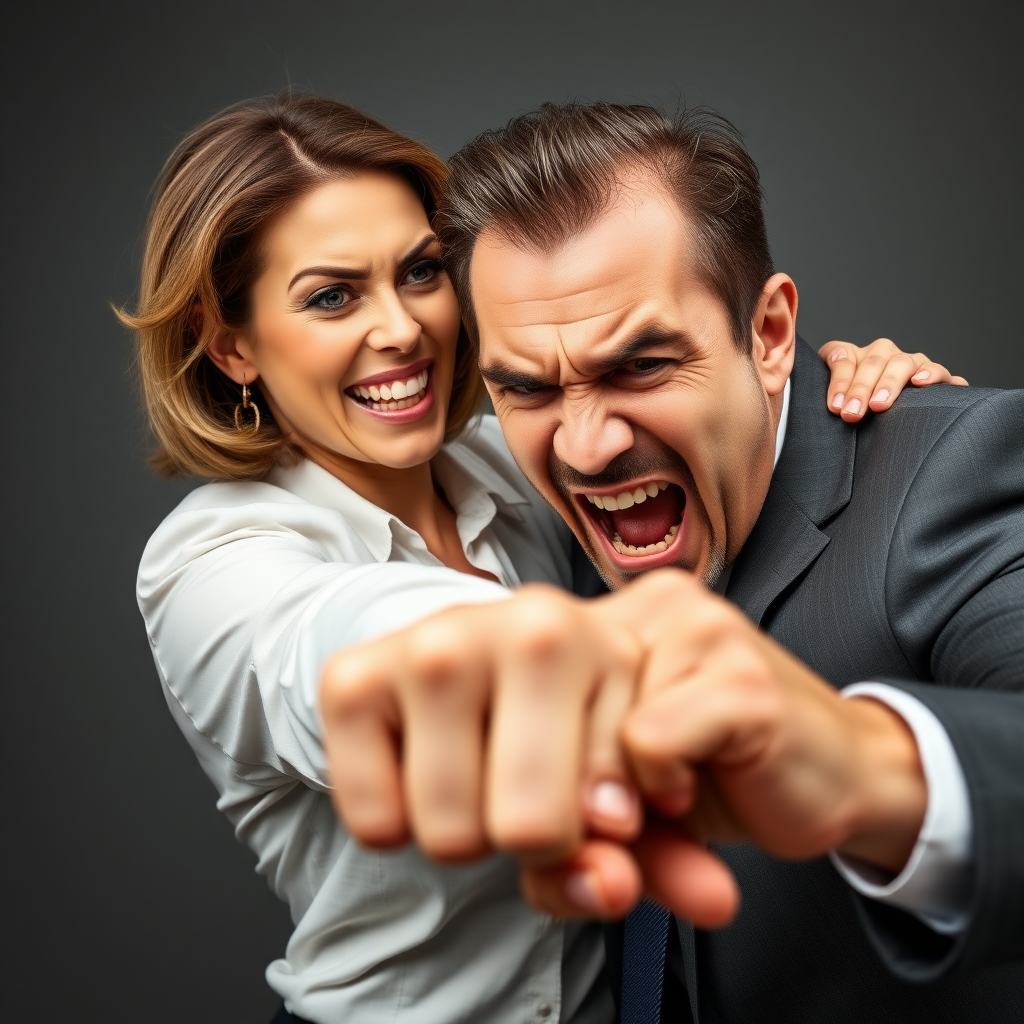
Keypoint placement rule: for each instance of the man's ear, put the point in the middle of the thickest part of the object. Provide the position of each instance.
(774, 330)
(228, 350)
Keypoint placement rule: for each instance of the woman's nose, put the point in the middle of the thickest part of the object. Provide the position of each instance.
(393, 327)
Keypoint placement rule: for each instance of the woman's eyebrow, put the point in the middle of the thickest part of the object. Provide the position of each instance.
(360, 274)
(424, 243)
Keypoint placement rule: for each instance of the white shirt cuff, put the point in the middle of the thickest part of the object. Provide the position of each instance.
(935, 885)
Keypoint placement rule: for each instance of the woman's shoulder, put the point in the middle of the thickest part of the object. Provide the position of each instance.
(218, 514)
(224, 502)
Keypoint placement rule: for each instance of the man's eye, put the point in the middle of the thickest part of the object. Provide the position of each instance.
(644, 365)
(424, 272)
(330, 298)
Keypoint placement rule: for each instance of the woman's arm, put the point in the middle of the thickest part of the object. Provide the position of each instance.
(872, 376)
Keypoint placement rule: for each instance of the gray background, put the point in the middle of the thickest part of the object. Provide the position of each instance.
(889, 135)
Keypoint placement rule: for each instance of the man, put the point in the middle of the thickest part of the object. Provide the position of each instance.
(641, 355)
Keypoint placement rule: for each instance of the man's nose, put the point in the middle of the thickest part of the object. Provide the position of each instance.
(393, 327)
(588, 437)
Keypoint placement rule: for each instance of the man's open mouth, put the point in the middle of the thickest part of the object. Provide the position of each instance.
(641, 520)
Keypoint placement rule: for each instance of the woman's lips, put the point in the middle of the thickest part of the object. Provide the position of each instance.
(387, 376)
(397, 396)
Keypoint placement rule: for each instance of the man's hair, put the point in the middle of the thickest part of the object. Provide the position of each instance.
(548, 175)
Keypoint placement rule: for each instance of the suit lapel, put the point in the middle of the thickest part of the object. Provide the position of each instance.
(811, 484)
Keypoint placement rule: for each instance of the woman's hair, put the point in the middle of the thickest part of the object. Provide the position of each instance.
(215, 198)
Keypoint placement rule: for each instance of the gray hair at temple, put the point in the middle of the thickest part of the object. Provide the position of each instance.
(548, 175)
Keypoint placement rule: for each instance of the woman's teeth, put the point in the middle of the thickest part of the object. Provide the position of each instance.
(613, 502)
(651, 549)
(399, 394)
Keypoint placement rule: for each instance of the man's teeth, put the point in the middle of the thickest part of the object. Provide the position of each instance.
(399, 394)
(650, 549)
(613, 502)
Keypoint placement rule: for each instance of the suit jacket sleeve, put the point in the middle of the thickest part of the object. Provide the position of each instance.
(955, 599)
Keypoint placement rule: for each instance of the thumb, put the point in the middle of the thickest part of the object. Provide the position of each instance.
(686, 877)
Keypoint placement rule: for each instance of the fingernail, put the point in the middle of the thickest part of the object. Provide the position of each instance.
(922, 375)
(582, 890)
(881, 396)
(613, 800)
(853, 408)
(837, 402)
(836, 356)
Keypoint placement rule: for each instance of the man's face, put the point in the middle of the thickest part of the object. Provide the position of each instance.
(621, 392)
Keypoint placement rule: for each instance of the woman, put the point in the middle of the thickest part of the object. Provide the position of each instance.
(299, 342)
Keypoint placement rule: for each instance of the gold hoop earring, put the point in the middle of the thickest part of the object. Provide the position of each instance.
(247, 403)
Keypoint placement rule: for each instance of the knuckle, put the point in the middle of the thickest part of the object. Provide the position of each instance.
(543, 625)
(433, 655)
(874, 362)
(347, 680)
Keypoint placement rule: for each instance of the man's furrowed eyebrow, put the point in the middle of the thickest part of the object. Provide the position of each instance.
(358, 273)
(651, 336)
(502, 376)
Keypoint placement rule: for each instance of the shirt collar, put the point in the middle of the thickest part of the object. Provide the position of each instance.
(466, 479)
(780, 430)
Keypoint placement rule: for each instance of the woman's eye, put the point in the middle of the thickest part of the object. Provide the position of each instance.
(423, 272)
(330, 298)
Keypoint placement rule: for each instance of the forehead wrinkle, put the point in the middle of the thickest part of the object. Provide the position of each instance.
(548, 321)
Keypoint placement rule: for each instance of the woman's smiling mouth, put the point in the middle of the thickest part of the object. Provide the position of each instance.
(396, 396)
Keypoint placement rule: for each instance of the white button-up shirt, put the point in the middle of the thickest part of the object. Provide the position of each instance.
(245, 589)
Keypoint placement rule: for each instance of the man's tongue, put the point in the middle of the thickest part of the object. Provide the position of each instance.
(648, 522)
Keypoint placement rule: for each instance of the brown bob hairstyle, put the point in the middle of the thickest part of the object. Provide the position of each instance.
(218, 193)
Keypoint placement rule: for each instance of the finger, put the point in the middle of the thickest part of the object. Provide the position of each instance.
(601, 880)
(545, 677)
(611, 803)
(877, 360)
(359, 716)
(443, 701)
(929, 372)
(722, 713)
(841, 359)
(687, 878)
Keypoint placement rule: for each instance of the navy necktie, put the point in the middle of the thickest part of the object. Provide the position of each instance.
(643, 963)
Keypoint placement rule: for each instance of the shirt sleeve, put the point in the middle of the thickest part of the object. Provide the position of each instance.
(242, 611)
(935, 885)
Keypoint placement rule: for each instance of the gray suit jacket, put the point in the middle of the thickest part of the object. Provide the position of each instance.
(889, 551)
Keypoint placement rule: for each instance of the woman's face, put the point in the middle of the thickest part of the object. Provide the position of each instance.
(355, 324)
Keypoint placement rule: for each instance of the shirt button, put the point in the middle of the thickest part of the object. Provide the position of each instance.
(544, 1010)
